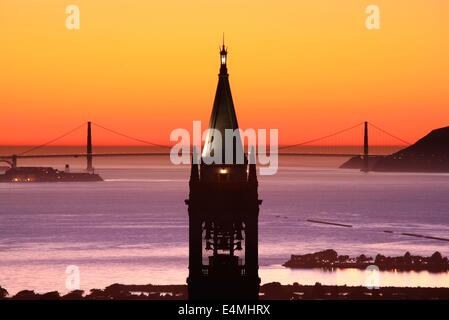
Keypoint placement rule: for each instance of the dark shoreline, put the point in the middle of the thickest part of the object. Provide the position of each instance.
(269, 291)
(327, 259)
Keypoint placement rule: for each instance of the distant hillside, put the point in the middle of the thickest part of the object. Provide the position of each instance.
(429, 154)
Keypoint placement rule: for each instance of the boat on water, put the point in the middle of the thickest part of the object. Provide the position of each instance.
(46, 174)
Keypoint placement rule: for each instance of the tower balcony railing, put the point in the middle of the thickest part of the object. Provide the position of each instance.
(206, 270)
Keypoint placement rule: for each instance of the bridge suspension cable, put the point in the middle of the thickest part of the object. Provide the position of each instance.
(53, 140)
(322, 138)
(131, 138)
(389, 134)
(168, 146)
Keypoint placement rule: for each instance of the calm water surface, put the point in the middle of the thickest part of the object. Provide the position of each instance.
(132, 228)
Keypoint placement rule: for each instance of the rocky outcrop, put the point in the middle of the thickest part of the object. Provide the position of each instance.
(429, 154)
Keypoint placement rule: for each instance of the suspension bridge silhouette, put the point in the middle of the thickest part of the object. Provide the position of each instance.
(282, 150)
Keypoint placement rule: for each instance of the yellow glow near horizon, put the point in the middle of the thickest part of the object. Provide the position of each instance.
(147, 67)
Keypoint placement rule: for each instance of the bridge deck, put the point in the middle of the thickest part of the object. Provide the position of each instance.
(149, 154)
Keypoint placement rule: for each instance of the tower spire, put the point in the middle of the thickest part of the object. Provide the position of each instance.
(223, 113)
(223, 210)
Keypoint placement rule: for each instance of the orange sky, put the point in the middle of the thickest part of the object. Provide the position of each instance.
(306, 67)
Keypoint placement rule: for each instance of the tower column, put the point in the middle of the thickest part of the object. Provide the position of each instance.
(365, 149)
(195, 246)
(251, 253)
(89, 147)
(14, 161)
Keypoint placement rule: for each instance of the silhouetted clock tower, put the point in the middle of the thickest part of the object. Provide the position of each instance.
(223, 210)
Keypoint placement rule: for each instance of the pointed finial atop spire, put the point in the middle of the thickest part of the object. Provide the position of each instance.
(223, 46)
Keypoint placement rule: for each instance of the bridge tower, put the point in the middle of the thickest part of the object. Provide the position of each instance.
(14, 161)
(366, 167)
(89, 147)
(223, 209)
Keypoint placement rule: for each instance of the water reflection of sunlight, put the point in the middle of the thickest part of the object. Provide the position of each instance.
(353, 277)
